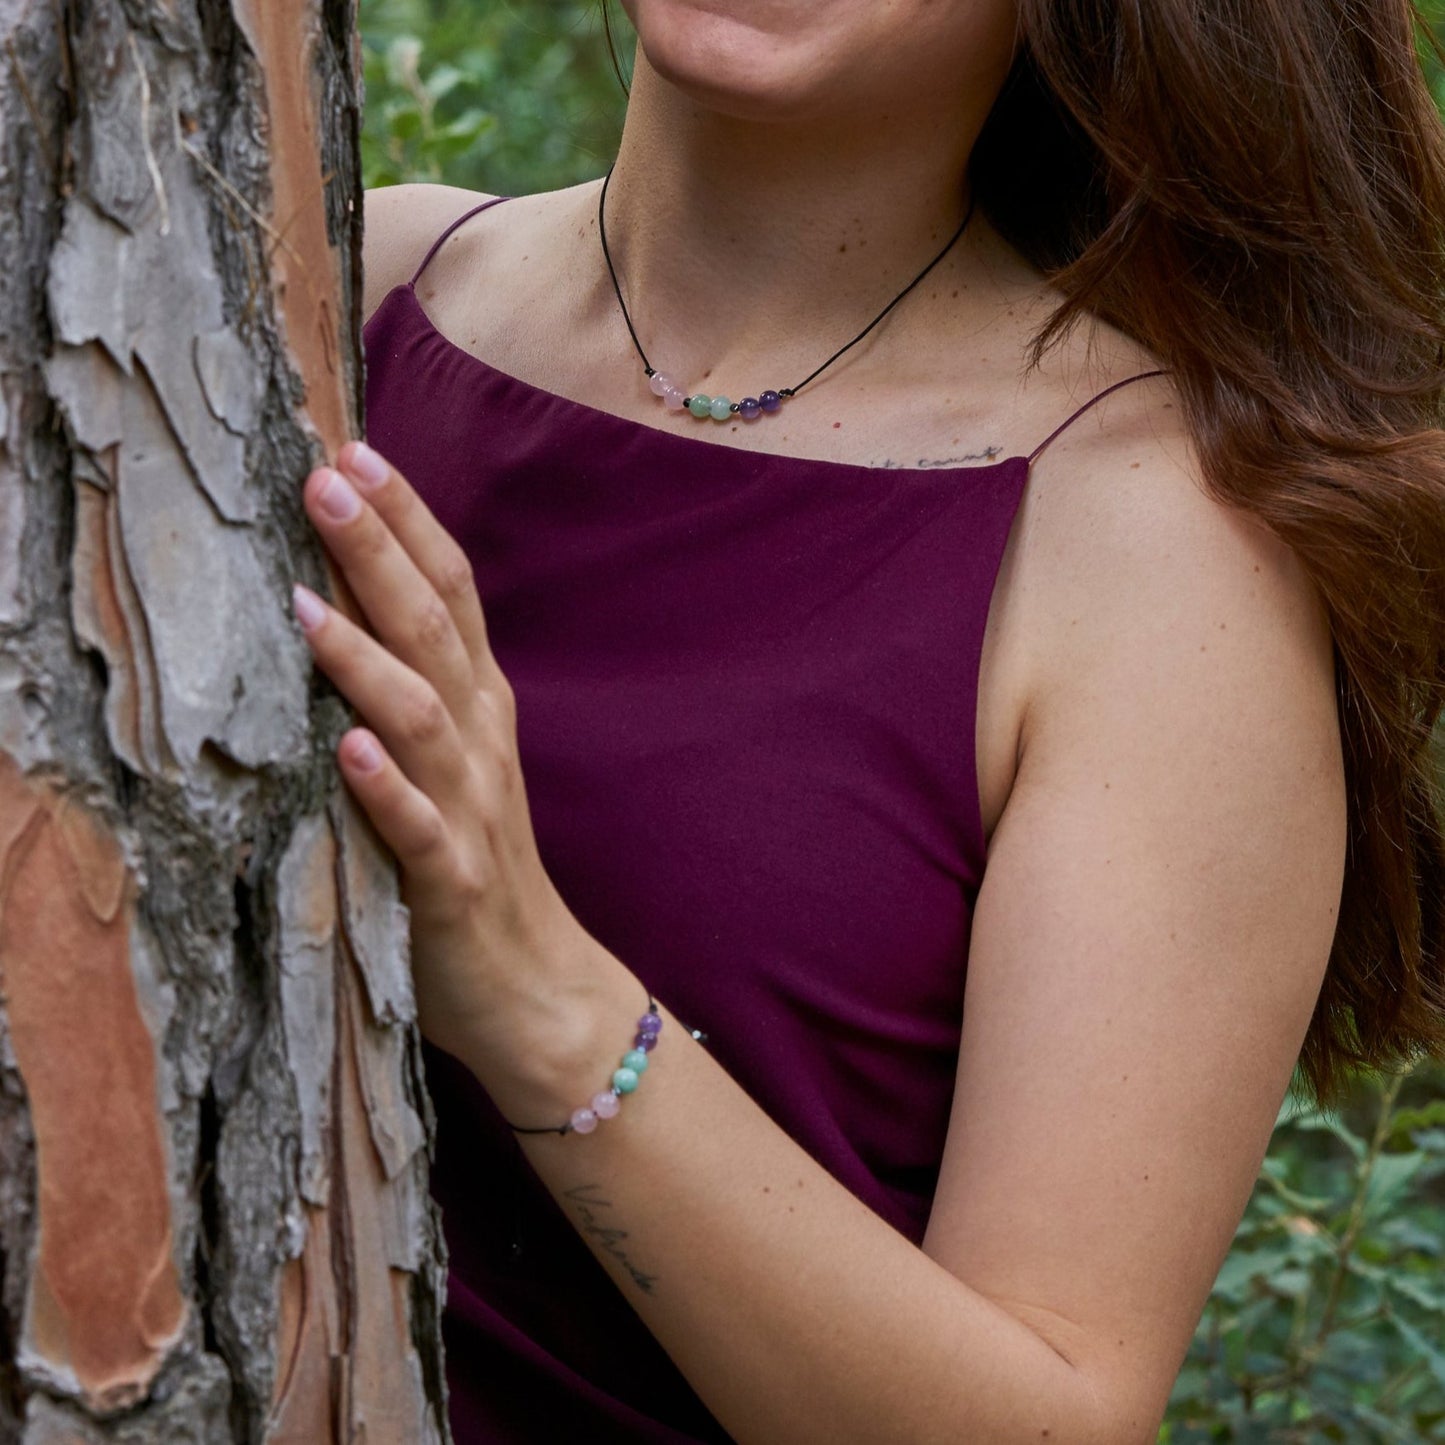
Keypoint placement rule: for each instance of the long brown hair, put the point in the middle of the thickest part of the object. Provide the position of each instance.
(1255, 191)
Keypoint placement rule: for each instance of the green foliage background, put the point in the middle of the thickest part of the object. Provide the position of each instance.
(1327, 1321)
(505, 96)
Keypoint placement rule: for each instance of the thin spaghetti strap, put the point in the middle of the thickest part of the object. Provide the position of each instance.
(1092, 401)
(465, 216)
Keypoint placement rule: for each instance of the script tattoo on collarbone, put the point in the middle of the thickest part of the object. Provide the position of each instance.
(587, 1198)
(923, 464)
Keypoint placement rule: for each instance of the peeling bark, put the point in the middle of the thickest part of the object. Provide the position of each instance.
(285, 39)
(99, 1319)
(214, 1222)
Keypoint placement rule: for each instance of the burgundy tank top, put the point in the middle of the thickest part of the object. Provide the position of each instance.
(746, 690)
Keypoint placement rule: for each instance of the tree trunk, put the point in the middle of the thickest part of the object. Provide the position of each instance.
(214, 1219)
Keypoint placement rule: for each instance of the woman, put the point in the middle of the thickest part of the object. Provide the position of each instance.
(781, 682)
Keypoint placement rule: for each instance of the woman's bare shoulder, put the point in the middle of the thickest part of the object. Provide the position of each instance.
(1124, 544)
(401, 222)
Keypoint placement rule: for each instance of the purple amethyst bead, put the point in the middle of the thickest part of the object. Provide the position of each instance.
(770, 401)
(645, 1042)
(650, 1023)
(750, 408)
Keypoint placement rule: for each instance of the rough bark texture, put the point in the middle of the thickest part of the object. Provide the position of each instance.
(214, 1222)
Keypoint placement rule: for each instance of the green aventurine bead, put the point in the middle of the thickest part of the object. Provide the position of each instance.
(636, 1060)
(624, 1080)
(721, 408)
(700, 405)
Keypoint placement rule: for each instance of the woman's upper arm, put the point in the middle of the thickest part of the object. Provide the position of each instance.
(401, 222)
(1153, 925)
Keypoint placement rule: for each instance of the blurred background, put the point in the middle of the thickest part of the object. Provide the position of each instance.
(503, 96)
(514, 96)
(1327, 1322)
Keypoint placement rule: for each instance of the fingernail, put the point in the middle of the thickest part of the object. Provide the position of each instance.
(364, 755)
(365, 465)
(310, 610)
(338, 500)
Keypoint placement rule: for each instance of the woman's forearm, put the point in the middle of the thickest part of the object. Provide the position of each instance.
(795, 1312)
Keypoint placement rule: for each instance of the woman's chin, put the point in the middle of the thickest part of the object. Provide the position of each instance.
(736, 70)
(740, 98)
(824, 60)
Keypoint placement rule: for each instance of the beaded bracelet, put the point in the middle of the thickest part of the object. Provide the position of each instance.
(625, 1079)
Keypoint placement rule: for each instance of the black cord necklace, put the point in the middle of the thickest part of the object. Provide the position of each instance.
(750, 408)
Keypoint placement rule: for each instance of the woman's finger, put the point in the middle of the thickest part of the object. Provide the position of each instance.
(407, 820)
(403, 708)
(431, 547)
(398, 600)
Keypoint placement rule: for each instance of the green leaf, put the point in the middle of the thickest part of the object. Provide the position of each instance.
(1419, 1290)
(1290, 1282)
(1409, 1233)
(1275, 1171)
(469, 125)
(406, 123)
(1241, 1267)
(1423, 1347)
(1364, 1270)
(1390, 1177)
(1406, 1121)
(1332, 1124)
(442, 80)
(1432, 1141)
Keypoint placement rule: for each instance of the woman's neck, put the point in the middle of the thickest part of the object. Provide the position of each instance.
(733, 237)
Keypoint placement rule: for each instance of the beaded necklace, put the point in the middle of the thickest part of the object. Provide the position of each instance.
(720, 408)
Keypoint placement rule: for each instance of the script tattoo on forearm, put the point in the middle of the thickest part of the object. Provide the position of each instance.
(588, 1200)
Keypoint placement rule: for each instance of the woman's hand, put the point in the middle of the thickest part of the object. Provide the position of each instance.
(494, 947)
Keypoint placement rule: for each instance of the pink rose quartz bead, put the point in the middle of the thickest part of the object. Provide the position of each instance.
(606, 1105)
(584, 1121)
(660, 384)
(673, 399)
